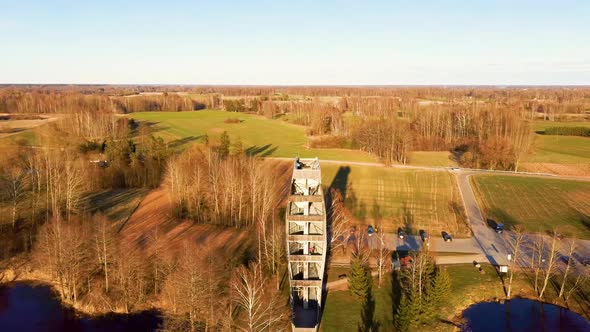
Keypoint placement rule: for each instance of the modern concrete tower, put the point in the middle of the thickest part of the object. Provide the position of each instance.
(306, 243)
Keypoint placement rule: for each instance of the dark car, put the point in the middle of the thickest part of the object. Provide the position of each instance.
(446, 236)
(401, 233)
(423, 235)
(370, 230)
(499, 228)
(568, 260)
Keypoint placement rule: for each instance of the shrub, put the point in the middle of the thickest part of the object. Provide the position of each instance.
(232, 120)
(328, 142)
(568, 131)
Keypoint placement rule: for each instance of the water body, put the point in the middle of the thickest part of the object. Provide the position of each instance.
(28, 307)
(522, 315)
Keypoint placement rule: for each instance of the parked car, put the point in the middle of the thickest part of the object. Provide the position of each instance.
(446, 236)
(401, 233)
(585, 262)
(568, 260)
(499, 228)
(370, 230)
(423, 235)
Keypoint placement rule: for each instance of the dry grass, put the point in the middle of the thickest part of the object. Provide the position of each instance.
(155, 214)
(13, 127)
(412, 199)
(582, 169)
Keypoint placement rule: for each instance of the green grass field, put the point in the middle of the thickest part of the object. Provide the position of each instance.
(413, 199)
(537, 204)
(559, 149)
(259, 135)
(342, 311)
(540, 125)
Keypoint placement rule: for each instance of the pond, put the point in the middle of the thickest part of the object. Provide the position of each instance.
(30, 307)
(522, 315)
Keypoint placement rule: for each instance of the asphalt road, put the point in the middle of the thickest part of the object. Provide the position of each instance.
(492, 245)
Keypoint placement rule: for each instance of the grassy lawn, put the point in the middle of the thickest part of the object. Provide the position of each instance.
(259, 135)
(432, 158)
(560, 149)
(342, 312)
(541, 125)
(335, 271)
(537, 204)
(413, 199)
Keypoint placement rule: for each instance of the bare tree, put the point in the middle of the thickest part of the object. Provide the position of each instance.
(63, 252)
(580, 280)
(570, 251)
(260, 308)
(105, 246)
(516, 243)
(73, 178)
(383, 254)
(14, 184)
(537, 254)
(130, 276)
(339, 218)
(551, 263)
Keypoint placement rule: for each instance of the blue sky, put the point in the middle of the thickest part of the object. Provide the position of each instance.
(295, 42)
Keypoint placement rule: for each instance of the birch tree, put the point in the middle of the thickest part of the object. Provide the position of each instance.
(551, 263)
(260, 307)
(516, 243)
(570, 252)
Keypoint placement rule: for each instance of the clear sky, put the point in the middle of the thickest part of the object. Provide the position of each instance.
(295, 42)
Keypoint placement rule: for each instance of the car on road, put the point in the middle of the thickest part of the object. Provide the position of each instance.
(370, 230)
(455, 169)
(401, 233)
(499, 228)
(446, 236)
(423, 235)
(568, 260)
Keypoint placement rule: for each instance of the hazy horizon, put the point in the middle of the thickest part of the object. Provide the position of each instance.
(335, 43)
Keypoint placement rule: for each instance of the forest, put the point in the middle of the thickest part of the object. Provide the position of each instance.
(49, 230)
(483, 127)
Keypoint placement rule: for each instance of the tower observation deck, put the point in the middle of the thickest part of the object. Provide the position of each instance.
(306, 244)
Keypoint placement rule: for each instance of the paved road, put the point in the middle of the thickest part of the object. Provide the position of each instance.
(492, 245)
(447, 169)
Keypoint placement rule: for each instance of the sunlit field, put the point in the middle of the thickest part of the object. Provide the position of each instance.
(259, 136)
(540, 205)
(412, 199)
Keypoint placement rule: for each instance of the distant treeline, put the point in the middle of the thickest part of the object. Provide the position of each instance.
(485, 127)
(568, 131)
